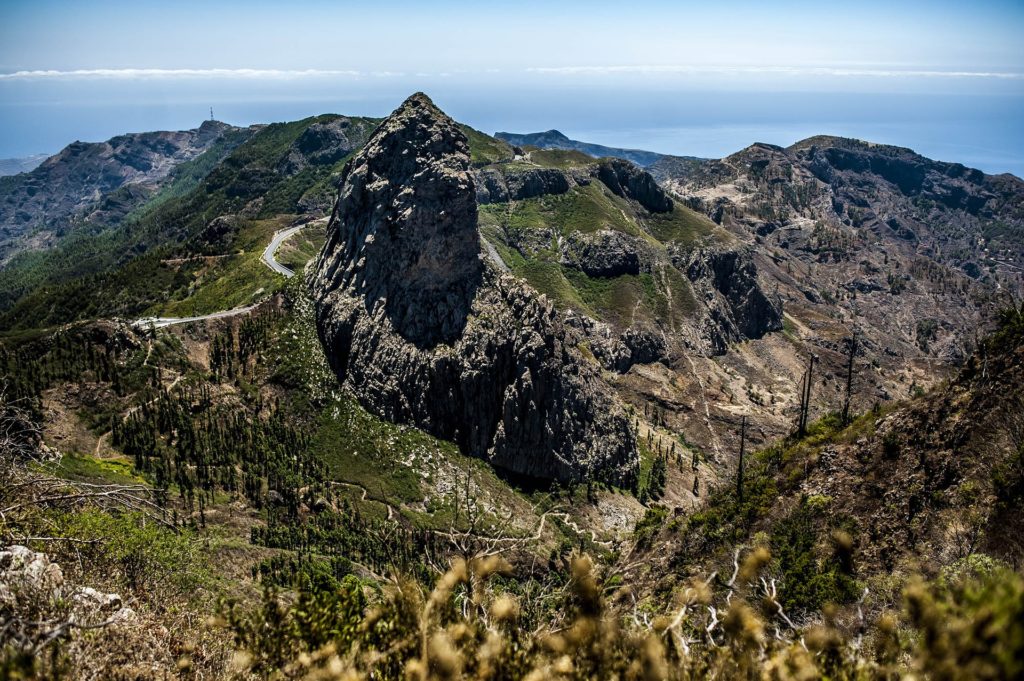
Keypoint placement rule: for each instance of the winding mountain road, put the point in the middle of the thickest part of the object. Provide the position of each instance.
(160, 322)
(267, 258)
(280, 237)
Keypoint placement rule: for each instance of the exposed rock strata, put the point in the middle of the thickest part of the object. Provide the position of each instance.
(606, 253)
(626, 180)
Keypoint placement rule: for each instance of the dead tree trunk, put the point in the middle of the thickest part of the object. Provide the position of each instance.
(849, 377)
(805, 401)
(739, 470)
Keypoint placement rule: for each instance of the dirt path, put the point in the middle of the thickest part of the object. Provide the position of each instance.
(707, 410)
(363, 495)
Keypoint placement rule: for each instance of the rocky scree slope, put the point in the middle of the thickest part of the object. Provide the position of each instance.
(916, 488)
(911, 255)
(424, 331)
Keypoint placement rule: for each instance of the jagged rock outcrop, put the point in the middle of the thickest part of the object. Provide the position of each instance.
(424, 331)
(630, 182)
(606, 253)
(36, 598)
(493, 186)
(620, 351)
(727, 279)
(219, 232)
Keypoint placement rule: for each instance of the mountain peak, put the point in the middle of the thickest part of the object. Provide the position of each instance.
(419, 101)
(849, 143)
(405, 222)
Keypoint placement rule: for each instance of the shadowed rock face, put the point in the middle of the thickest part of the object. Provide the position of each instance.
(321, 144)
(606, 253)
(628, 181)
(496, 187)
(728, 280)
(423, 331)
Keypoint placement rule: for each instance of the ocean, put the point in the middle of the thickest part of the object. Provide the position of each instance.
(984, 131)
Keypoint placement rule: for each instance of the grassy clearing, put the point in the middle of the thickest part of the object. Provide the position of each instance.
(548, 278)
(484, 149)
(581, 209)
(361, 449)
(561, 158)
(683, 226)
(589, 209)
(90, 469)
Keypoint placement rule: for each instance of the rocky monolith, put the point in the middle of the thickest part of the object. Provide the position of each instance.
(425, 331)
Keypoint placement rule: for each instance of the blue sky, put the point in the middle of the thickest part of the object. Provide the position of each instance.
(71, 70)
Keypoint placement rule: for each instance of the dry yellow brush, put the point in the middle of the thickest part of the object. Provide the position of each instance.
(465, 629)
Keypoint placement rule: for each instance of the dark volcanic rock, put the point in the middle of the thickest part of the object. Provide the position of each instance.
(320, 144)
(728, 280)
(219, 232)
(606, 253)
(634, 346)
(618, 352)
(630, 182)
(423, 331)
(493, 186)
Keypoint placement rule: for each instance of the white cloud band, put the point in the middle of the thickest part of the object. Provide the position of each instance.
(664, 69)
(142, 74)
(769, 70)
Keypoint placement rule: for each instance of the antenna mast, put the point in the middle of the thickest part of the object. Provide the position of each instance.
(211, 113)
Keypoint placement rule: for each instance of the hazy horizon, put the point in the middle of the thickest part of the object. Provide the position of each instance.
(943, 79)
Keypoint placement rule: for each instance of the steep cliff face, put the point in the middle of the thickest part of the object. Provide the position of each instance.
(495, 187)
(629, 182)
(424, 331)
(727, 281)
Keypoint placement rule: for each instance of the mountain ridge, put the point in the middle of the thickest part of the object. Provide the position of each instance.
(553, 139)
(540, 366)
